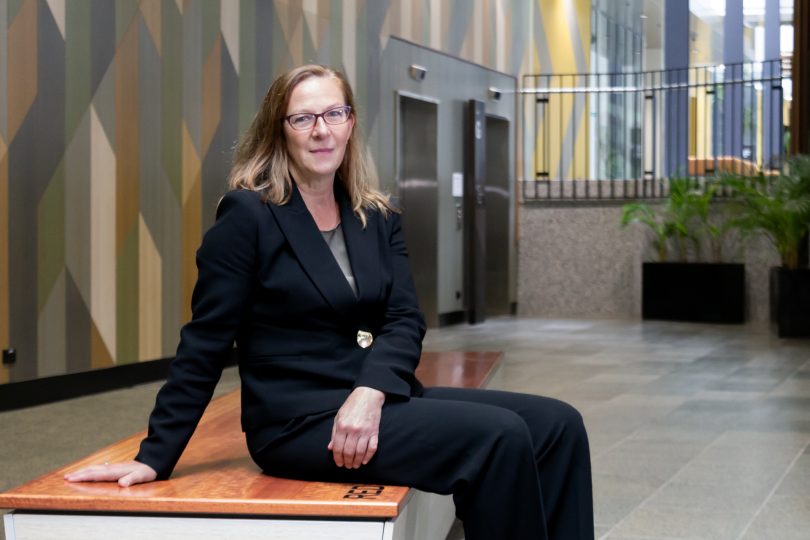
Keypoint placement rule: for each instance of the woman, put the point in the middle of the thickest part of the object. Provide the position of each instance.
(306, 269)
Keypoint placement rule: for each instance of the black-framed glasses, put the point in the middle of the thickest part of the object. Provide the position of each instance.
(333, 117)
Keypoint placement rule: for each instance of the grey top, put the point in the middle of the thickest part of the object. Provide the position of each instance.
(337, 244)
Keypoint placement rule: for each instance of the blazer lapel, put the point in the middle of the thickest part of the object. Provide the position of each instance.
(300, 230)
(362, 246)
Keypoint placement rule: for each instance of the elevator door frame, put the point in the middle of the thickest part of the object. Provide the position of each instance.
(498, 297)
(425, 279)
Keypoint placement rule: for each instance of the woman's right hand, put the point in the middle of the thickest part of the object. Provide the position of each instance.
(127, 473)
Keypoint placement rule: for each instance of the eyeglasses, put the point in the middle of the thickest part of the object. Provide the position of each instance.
(333, 117)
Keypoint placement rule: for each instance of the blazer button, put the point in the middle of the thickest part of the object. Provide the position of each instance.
(364, 339)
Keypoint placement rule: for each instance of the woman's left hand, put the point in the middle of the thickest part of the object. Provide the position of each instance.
(356, 429)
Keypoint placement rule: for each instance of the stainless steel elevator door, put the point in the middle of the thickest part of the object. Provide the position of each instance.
(417, 178)
(497, 222)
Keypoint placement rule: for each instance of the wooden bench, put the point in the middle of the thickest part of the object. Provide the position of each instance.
(216, 491)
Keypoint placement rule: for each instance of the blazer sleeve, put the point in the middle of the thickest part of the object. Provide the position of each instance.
(391, 363)
(225, 263)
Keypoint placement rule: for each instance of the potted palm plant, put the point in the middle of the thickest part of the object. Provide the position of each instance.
(778, 207)
(689, 289)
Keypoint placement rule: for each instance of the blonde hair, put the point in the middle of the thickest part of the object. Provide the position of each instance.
(261, 162)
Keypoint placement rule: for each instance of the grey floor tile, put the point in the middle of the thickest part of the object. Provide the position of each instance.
(657, 432)
(752, 453)
(783, 518)
(732, 476)
(712, 365)
(647, 461)
(730, 395)
(797, 385)
(644, 368)
(678, 383)
(615, 498)
(681, 522)
(744, 385)
(796, 482)
(713, 498)
(614, 536)
(595, 390)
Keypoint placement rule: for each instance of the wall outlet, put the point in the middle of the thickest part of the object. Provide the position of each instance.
(9, 356)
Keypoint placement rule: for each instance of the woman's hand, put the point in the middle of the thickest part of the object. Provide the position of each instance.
(356, 428)
(127, 473)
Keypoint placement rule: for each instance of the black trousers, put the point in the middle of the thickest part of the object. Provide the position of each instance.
(518, 465)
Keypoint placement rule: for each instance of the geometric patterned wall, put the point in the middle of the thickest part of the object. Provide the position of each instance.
(117, 121)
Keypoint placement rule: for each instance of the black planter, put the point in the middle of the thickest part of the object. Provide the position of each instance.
(696, 292)
(790, 301)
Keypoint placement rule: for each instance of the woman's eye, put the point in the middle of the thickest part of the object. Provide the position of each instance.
(302, 120)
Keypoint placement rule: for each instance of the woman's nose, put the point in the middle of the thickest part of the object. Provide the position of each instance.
(320, 127)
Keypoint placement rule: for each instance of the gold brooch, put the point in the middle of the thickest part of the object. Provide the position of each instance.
(364, 339)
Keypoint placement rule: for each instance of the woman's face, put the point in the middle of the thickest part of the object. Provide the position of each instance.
(316, 152)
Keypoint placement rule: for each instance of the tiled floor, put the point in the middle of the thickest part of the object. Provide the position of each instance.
(696, 431)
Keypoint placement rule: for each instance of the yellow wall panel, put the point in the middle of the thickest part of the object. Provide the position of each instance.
(151, 17)
(52, 331)
(229, 14)
(191, 164)
(349, 42)
(127, 129)
(103, 260)
(57, 8)
(150, 294)
(100, 356)
(22, 65)
(3, 255)
(191, 221)
(563, 130)
(211, 94)
(291, 19)
(582, 9)
(558, 37)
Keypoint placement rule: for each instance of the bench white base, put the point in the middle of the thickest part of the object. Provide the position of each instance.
(426, 516)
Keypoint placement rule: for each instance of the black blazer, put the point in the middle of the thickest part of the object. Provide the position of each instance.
(268, 281)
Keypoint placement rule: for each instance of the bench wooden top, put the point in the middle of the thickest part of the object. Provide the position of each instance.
(215, 475)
